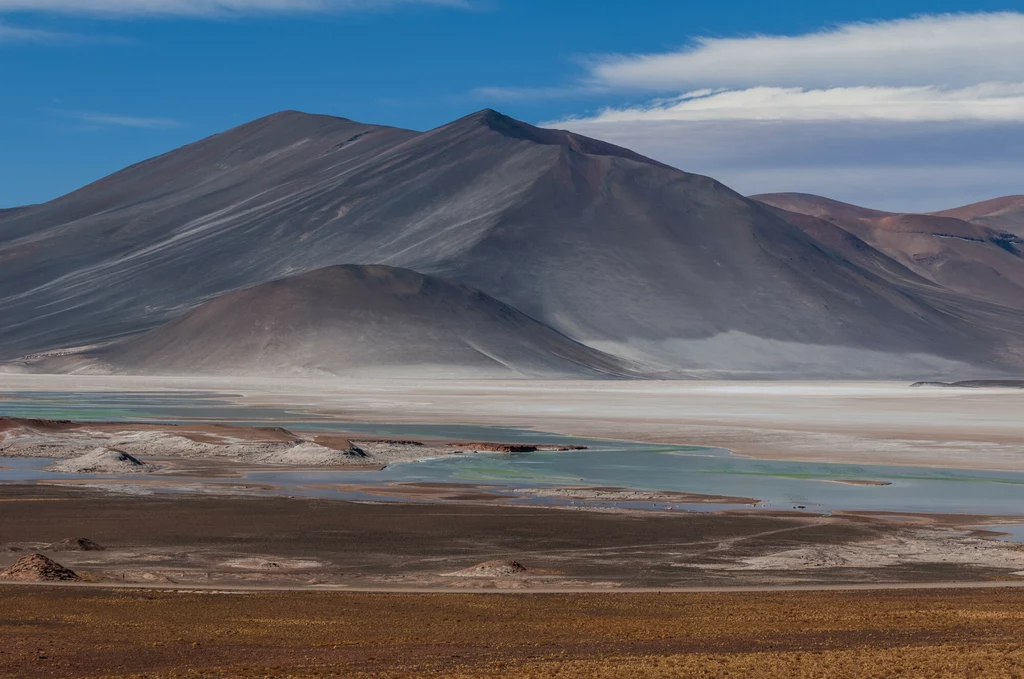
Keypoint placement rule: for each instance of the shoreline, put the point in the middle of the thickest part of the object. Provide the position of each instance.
(218, 454)
(841, 422)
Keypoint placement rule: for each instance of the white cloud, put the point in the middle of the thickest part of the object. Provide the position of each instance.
(919, 113)
(201, 8)
(108, 120)
(10, 33)
(919, 166)
(989, 101)
(953, 50)
(19, 34)
(535, 93)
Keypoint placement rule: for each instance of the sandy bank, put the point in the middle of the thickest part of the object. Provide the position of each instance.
(110, 447)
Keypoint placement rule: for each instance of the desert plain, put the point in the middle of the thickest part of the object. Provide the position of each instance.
(959, 634)
(205, 572)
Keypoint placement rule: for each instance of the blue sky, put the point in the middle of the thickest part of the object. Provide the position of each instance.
(899, 105)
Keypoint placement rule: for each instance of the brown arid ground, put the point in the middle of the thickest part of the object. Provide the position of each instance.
(199, 540)
(956, 634)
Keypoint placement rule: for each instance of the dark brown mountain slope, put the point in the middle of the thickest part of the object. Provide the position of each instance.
(999, 214)
(848, 246)
(963, 256)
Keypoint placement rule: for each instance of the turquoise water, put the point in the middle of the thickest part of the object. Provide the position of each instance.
(1014, 532)
(779, 485)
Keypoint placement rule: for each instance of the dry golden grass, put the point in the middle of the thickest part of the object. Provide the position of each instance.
(934, 633)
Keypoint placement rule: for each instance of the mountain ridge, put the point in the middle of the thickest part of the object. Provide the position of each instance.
(1005, 213)
(964, 256)
(634, 258)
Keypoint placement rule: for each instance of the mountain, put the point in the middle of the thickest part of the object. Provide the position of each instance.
(965, 256)
(999, 214)
(149, 242)
(672, 271)
(10, 211)
(350, 320)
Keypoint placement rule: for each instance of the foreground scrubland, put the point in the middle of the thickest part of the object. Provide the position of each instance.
(943, 633)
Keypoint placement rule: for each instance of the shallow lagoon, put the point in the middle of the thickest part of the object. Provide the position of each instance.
(779, 485)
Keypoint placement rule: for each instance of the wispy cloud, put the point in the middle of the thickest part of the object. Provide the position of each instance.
(539, 93)
(1000, 102)
(209, 8)
(10, 33)
(17, 34)
(884, 164)
(948, 51)
(109, 120)
(954, 50)
(920, 112)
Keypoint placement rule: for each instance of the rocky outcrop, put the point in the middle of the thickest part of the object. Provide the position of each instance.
(38, 568)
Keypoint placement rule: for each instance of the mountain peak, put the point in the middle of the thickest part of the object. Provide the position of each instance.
(494, 120)
(512, 128)
(281, 130)
(291, 115)
(297, 120)
(486, 114)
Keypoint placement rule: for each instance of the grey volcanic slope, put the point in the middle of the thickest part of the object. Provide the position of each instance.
(605, 246)
(353, 320)
(10, 211)
(965, 256)
(157, 238)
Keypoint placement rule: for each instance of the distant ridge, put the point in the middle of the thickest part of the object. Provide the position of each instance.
(1002, 214)
(975, 384)
(515, 129)
(964, 256)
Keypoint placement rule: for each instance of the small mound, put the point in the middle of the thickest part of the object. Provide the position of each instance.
(75, 545)
(492, 569)
(38, 568)
(313, 454)
(103, 461)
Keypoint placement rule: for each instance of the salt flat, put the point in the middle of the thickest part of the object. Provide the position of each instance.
(828, 421)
